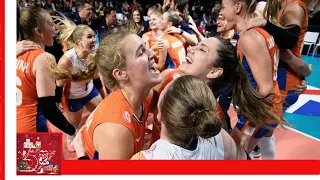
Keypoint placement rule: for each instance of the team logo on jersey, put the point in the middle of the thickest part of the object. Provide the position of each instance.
(176, 75)
(138, 139)
(127, 116)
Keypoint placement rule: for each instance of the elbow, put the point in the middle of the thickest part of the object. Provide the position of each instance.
(266, 90)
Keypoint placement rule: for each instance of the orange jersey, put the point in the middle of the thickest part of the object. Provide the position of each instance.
(274, 55)
(176, 50)
(151, 38)
(293, 79)
(27, 97)
(116, 109)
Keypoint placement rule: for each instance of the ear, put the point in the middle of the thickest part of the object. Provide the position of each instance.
(159, 117)
(120, 75)
(215, 73)
(170, 24)
(238, 7)
(38, 31)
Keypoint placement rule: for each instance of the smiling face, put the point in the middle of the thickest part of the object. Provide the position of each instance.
(228, 11)
(200, 59)
(154, 21)
(221, 24)
(164, 23)
(140, 63)
(136, 16)
(87, 41)
(86, 12)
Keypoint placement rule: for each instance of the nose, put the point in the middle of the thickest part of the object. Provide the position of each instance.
(152, 54)
(190, 50)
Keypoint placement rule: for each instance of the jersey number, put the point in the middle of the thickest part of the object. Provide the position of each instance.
(19, 92)
(182, 55)
(276, 63)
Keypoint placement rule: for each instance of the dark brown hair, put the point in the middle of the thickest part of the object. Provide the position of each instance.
(188, 110)
(252, 105)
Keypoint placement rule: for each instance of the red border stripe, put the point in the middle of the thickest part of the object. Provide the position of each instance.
(2, 93)
(312, 92)
(191, 167)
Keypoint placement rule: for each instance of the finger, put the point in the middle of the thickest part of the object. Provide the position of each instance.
(301, 87)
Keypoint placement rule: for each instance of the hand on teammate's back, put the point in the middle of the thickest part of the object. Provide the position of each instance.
(255, 22)
(172, 30)
(23, 46)
(300, 89)
(78, 144)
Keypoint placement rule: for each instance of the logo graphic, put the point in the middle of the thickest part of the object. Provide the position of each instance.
(138, 139)
(176, 75)
(127, 116)
(39, 154)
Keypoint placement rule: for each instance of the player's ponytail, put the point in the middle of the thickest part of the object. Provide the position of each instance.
(77, 74)
(68, 31)
(250, 104)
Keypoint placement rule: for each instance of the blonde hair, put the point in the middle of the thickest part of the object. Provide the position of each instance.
(156, 8)
(70, 33)
(188, 110)
(30, 18)
(271, 12)
(108, 57)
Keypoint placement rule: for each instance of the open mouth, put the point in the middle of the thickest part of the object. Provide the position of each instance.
(188, 60)
(93, 46)
(153, 70)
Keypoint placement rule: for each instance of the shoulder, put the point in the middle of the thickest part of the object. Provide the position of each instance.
(145, 35)
(138, 156)
(44, 58)
(116, 107)
(170, 73)
(161, 149)
(251, 38)
(296, 7)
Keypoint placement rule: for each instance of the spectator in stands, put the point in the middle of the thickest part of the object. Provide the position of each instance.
(85, 15)
(109, 25)
(125, 8)
(136, 24)
(202, 28)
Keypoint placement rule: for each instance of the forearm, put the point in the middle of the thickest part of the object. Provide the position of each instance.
(191, 39)
(296, 64)
(163, 52)
(48, 108)
(284, 37)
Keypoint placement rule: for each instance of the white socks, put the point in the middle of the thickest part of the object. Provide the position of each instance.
(267, 148)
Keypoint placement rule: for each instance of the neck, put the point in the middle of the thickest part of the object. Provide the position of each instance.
(226, 34)
(81, 54)
(83, 19)
(157, 32)
(241, 23)
(164, 133)
(135, 97)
